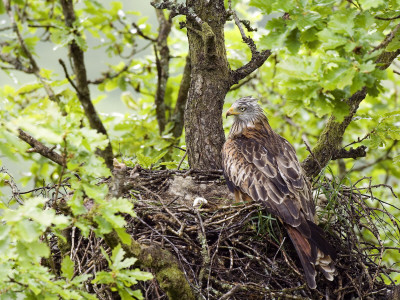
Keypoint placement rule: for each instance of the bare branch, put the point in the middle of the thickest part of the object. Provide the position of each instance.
(242, 83)
(388, 38)
(109, 75)
(177, 9)
(257, 58)
(351, 153)
(140, 33)
(382, 158)
(248, 40)
(14, 188)
(40, 148)
(82, 84)
(16, 63)
(67, 75)
(256, 61)
(387, 19)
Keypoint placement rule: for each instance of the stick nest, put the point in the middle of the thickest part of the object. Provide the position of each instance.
(239, 251)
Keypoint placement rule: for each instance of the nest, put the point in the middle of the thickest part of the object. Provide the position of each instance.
(238, 251)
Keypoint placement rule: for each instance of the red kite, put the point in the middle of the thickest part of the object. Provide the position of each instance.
(262, 166)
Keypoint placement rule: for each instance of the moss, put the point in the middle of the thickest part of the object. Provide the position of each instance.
(172, 280)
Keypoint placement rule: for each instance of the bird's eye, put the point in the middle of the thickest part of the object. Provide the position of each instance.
(242, 108)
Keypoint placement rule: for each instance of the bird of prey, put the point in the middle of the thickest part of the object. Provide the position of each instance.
(262, 166)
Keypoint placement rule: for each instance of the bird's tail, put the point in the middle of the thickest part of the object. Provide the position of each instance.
(313, 251)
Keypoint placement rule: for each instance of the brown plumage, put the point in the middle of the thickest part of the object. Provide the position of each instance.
(261, 165)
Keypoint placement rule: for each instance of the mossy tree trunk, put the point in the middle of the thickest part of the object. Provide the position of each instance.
(210, 81)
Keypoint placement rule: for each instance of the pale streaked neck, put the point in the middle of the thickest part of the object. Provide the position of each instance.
(239, 125)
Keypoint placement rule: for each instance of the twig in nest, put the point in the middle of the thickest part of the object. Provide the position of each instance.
(231, 292)
(181, 161)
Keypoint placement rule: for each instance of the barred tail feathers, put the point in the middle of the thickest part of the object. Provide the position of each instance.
(314, 251)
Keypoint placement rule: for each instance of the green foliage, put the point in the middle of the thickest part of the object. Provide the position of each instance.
(120, 277)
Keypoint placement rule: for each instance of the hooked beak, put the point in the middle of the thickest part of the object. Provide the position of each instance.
(231, 112)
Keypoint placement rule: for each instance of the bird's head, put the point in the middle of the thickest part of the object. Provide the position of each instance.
(246, 110)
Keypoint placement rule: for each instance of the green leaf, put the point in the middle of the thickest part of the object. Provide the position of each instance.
(343, 21)
(293, 41)
(123, 235)
(368, 4)
(76, 203)
(140, 275)
(67, 267)
(339, 78)
(4, 239)
(143, 160)
(81, 42)
(104, 226)
(265, 6)
(126, 295)
(396, 159)
(341, 110)
(27, 230)
(330, 40)
(394, 44)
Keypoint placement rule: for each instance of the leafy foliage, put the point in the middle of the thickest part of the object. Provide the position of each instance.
(323, 52)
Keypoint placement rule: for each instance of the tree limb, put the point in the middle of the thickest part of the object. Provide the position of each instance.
(110, 75)
(388, 38)
(179, 111)
(141, 33)
(82, 84)
(240, 84)
(331, 136)
(351, 153)
(161, 50)
(177, 9)
(40, 148)
(257, 58)
(16, 63)
(256, 61)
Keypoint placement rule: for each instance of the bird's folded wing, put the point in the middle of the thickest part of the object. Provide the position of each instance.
(270, 179)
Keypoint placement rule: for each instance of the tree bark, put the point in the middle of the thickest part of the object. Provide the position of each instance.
(210, 81)
(179, 111)
(162, 61)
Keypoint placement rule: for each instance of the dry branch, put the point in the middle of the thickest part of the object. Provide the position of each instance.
(351, 153)
(257, 58)
(38, 147)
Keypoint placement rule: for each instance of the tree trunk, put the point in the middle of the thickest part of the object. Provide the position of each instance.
(210, 81)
